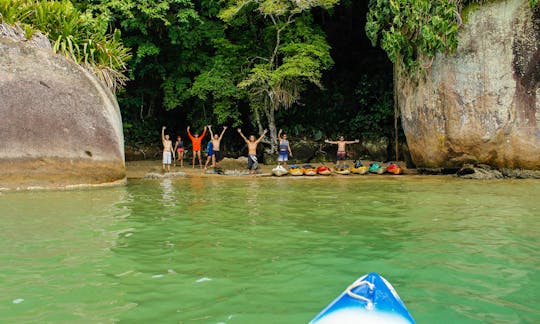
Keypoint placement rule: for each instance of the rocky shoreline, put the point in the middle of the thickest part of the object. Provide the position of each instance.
(151, 169)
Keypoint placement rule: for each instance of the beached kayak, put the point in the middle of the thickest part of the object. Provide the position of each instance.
(279, 171)
(370, 299)
(342, 169)
(376, 168)
(309, 170)
(394, 168)
(360, 170)
(324, 170)
(295, 170)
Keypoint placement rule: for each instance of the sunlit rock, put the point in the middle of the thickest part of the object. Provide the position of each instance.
(58, 124)
(482, 103)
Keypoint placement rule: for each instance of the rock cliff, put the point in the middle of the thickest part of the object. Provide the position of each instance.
(59, 126)
(480, 104)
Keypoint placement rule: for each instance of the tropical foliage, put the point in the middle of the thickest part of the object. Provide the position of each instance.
(82, 37)
(411, 32)
(307, 66)
(291, 53)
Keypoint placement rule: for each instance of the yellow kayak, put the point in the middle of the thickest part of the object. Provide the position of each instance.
(360, 170)
(296, 171)
(343, 171)
(309, 170)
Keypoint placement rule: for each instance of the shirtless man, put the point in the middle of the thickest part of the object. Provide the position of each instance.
(196, 143)
(167, 150)
(252, 150)
(216, 141)
(341, 147)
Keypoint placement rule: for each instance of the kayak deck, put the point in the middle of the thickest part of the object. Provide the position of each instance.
(370, 299)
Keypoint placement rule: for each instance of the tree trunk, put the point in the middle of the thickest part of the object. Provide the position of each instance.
(272, 129)
(258, 120)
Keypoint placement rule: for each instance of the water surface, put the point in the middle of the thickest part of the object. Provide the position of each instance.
(222, 250)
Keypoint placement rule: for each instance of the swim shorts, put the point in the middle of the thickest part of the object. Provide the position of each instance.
(283, 156)
(166, 157)
(252, 162)
(341, 155)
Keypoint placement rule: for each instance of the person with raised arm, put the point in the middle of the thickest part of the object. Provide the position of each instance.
(179, 148)
(167, 150)
(284, 149)
(342, 147)
(252, 150)
(216, 141)
(196, 143)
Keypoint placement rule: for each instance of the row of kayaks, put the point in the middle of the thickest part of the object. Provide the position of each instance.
(343, 169)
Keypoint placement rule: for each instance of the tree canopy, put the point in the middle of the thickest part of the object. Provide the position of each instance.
(307, 66)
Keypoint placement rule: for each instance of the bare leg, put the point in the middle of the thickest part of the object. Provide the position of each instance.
(207, 160)
(200, 160)
(194, 153)
(181, 157)
(214, 160)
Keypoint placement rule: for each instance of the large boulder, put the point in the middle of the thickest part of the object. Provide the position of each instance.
(480, 104)
(58, 124)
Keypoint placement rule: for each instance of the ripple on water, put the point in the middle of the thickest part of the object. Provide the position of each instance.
(266, 251)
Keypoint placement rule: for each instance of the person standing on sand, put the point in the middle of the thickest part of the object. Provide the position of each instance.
(179, 148)
(196, 143)
(216, 141)
(342, 145)
(167, 150)
(252, 150)
(284, 149)
(209, 153)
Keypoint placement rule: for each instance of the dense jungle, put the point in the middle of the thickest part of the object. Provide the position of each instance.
(315, 68)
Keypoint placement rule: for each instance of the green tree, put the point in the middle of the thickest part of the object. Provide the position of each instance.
(411, 32)
(81, 37)
(290, 52)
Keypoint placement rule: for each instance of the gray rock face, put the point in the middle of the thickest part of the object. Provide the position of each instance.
(480, 104)
(59, 126)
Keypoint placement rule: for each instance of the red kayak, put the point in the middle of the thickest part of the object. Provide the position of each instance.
(324, 170)
(394, 168)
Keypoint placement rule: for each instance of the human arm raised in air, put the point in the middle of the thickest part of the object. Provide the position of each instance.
(222, 132)
(210, 130)
(240, 132)
(163, 134)
(203, 132)
(189, 134)
(262, 136)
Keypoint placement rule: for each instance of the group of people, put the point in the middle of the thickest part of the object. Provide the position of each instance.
(212, 148)
(214, 153)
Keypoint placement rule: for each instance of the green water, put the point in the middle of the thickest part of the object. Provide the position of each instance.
(246, 250)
